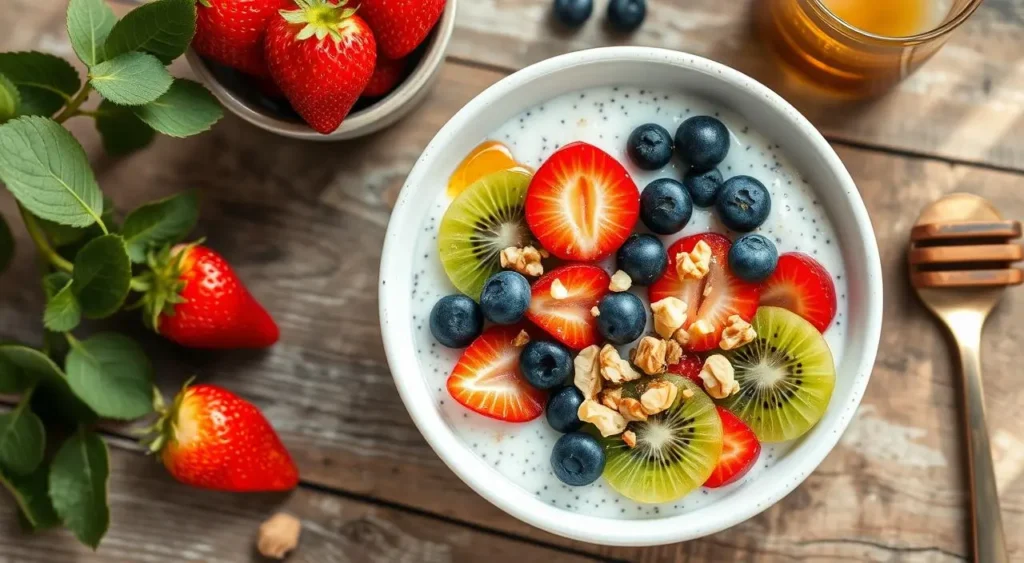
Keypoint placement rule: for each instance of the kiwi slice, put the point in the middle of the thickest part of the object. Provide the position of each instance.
(482, 221)
(675, 452)
(786, 376)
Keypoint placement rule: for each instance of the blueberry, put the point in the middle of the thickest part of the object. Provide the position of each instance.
(703, 186)
(743, 204)
(702, 142)
(626, 15)
(622, 317)
(577, 459)
(665, 206)
(505, 297)
(573, 13)
(545, 365)
(643, 258)
(650, 146)
(456, 320)
(562, 408)
(753, 258)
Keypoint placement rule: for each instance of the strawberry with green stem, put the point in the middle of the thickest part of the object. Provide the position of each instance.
(230, 32)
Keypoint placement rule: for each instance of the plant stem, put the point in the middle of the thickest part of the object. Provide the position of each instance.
(71, 109)
(25, 398)
(72, 341)
(39, 238)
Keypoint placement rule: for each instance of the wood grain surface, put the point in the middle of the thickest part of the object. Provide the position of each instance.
(304, 224)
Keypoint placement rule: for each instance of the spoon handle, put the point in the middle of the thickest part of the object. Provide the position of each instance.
(989, 542)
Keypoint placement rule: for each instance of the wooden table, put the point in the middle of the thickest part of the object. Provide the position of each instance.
(304, 225)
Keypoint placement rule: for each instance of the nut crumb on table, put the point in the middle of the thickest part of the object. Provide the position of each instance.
(278, 535)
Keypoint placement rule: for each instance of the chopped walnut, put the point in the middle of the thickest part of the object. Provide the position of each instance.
(669, 316)
(687, 394)
(614, 368)
(611, 397)
(682, 337)
(658, 397)
(650, 355)
(521, 339)
(620, 281)
(595, 312)
(737, 333)
(278, 535)
(607, 421)
(629, 437)
(544, 253)
(587, 372)
(524, 260)
(695, 264)
(632, 410)
(718, 377)
(707, 290)
(673, 352)
(700, 329)
(558, 290)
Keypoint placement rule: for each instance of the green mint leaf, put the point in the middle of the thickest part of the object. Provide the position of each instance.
(121, 131)
(112, 375)
(102, 276)
(163, 28)
(11, 378)
(52, 389)
(131, 79)
(32, 495)
(188, 108)
(61, 235)
(89, 23)
(6, 245)
(158, 223)
(62, 313)
(10, 99)
(78, 486)
(47, 171)
(45, 82)
(22, 439)
(54, 282)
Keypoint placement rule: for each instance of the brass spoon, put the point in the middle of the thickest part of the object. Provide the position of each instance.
(960, 263)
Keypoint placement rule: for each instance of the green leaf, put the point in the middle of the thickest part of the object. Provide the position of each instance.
(61, 235)
(89, 23)
(112, 375)
(163, 28)
(54, 282)
(131, 79)
(78, 486)
(11, 378)
(10, 99)
(32, 495)
(188, 108)
(102, 276)
(45, 82)
(47, 171)
(121, 131)
(6, 245)
(32, 367)
(62, 313)
(158, 223)
(22, 439)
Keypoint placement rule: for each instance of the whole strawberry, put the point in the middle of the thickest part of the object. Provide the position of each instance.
(322, 56)
(194, 298)
(385, 77)
(401, 25)
(230, 32)
(213, 439)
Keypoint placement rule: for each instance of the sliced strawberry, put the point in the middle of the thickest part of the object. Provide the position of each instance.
(728, 295)
(487, 378)
(803, 286)
(569, 320)
(689, 366)
(582, 204)
(740, 449)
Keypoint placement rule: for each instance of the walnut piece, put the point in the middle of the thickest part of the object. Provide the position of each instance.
(700, 329)
(521, 339)
(707, 290)
(629, 437)
(650, 355)
(614, 368)
(658, 397)
(611, 398)
(695, 264)
(718, 377)
(525, 260)
(632, 410)
(595, 312)
(587, 372)
(687, 394)
(607, 421)
(737, 333)
(682, 337)
(558, 290)
(278, 535)
(620, 281)
(673, 352)
(669, 316)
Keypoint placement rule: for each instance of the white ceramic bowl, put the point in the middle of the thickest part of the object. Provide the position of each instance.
(642, 67)
(373, 118)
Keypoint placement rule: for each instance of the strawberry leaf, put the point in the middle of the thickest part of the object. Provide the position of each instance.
(27, 367)
(47, 171)
(62, 313)
(131, 79)
(22, 439)
(158, 223)
(89, 23)
(31, 494)
(102, 276)
(10, 99)
(112, 375)
(78, 486)
(163, 28)
(187, 109)
(6, 245)
(11, 378)
(45, 82)
(121, 131)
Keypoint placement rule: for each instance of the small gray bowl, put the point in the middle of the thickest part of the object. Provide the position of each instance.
(243, 102)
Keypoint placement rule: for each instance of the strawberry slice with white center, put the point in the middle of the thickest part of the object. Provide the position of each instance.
(487, 378)
(713, 298)
(569, 319)
(582, 204)
(802, 285)
(740, 449)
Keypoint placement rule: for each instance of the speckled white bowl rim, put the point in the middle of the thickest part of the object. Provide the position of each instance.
(772, 485)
